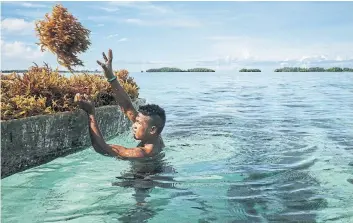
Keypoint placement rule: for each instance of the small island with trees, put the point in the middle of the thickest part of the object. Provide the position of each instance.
(173, 69)
(313, 69)
(249, 70)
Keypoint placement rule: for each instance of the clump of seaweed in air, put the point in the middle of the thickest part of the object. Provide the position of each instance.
(63, 35)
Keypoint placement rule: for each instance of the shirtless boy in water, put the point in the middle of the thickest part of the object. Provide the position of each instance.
(148, 122)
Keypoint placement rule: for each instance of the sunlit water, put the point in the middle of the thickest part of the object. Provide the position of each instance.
(245, 147)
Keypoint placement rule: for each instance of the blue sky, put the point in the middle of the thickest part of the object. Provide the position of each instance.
(218, 35)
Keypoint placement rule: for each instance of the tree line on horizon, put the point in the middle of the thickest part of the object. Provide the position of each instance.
(174, 69)
(249, 70)
(314, 69)
(303, 69)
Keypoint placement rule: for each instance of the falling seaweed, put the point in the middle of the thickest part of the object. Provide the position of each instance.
(63, 35)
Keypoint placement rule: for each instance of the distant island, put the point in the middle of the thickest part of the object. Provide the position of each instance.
(249, 70)
(313, 69)
(173, 69)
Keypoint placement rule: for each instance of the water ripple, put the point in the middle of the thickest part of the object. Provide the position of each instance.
(244, 148)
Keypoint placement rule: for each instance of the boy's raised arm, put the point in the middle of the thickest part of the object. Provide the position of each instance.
(120, 95)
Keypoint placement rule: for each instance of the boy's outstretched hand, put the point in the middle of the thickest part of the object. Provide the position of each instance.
(84, 103)
(107, 65)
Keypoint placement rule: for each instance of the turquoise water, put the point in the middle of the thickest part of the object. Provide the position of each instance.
(244, 147)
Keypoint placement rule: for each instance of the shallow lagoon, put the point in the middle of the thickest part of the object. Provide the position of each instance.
(247, 147)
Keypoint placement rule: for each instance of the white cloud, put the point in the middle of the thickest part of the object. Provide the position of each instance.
(20, 51)
(183, 22)
(27, 4)
(110, 9)
(112, 35)
(144, 7)
(15, 25)
(261, 49)
(234, 63)
(178, 22)
(32, 10)
(153, 14)
(135, 21)
(101, 18)
(33, 5)
(19, 55)
(314, 58)
(224, 38)
(34, 14)
(122, 40)
(139, 62)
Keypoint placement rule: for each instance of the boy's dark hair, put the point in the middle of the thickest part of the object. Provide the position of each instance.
(156, 113)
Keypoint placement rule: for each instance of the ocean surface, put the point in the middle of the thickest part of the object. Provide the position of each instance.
(243, 147)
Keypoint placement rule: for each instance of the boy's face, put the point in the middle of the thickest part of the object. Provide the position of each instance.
(142, 128)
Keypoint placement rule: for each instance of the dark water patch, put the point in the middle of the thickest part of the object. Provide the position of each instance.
(256, 176)
(251, 97)
(183, 125)
(247, 106)
(219, 134)
(210, 121)
(322, 120)
(251, 113)
(215, 91)
(299, 98)
(281, 185)
(287, 94)
(206, 100)
(288, 120)
(298, 105)
(340, 85)
(179, 133)
(343, 140)
(293, 217)
(245, 95)
(290, 192)
(321, 123)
